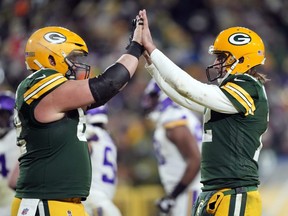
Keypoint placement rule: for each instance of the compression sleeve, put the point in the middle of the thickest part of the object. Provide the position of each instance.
(109, 83)
(174, 95)
(206, 95)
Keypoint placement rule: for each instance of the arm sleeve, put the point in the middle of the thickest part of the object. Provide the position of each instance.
(209, 96)
(109, 83)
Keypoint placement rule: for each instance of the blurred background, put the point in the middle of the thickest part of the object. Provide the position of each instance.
(183, 30)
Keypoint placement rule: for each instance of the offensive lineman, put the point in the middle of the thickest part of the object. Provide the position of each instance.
(55, 167)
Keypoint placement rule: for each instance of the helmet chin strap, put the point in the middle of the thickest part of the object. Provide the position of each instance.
(220, 80)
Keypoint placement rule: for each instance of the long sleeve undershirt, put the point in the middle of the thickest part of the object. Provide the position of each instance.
(184, 89)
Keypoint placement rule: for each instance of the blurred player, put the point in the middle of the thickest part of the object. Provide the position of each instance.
(104, 165)
(177, 140)
(9, 151)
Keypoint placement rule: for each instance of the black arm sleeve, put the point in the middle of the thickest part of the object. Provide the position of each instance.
(109, 83)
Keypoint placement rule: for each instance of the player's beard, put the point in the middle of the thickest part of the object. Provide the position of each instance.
(224, 76)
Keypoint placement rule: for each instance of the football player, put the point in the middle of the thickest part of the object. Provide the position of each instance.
(177, 143)
(235, 117)
(55, 168)
(103, 152)
(9, 151)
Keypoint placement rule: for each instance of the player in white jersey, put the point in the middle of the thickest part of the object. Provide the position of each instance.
(8, 150)
(177, 144)
(104, 165)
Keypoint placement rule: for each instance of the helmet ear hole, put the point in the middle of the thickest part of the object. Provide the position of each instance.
(241, 60)
(52, 60)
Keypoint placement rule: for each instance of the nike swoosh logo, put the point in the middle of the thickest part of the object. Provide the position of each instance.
(239, 80)
(41, 77)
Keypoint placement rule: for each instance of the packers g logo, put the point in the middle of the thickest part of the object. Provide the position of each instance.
(55, 38)
(239, 39)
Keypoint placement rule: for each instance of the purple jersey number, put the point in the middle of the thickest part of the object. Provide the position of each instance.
(3, 169)
(106, 162)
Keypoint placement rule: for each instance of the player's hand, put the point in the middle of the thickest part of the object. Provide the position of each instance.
(165, 204)
(147, 40)
(147, 57)
(137, 36)
(133, 27)
(136, 31)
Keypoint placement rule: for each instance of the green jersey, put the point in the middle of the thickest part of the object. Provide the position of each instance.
(55, 161)
(232, 142)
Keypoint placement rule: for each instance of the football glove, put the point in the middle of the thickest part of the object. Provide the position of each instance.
(165, 204)
(134, 22)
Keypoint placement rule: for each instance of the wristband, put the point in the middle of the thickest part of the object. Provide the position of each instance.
(135, 49)
(179, 188)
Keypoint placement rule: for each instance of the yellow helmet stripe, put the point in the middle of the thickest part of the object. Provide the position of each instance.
(176, 123)
(42, 87)
(241, 96)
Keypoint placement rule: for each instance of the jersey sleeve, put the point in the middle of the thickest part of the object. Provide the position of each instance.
(41, 83)
(241, 91)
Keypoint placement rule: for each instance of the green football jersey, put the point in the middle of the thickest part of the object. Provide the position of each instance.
(54, 161)
(232, 142)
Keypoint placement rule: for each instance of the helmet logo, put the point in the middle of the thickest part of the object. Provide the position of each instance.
(55, 38)
(239, 39)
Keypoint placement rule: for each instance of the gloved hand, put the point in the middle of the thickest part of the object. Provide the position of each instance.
(165, 204)
(134, 22)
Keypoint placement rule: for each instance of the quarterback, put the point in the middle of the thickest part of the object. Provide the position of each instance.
(235, 117)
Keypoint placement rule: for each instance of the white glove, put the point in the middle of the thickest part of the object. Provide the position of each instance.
(165, 204)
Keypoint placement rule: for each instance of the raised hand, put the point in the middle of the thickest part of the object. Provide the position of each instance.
(138, 32)
(147, 40)
(135, 47)
(133, 27)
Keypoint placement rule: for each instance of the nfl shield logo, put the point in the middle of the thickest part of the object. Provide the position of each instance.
(25, 211)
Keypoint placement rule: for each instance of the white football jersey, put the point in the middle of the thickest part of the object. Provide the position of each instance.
(104, 172)
(9, 153)
(104, 162)
(171, 164)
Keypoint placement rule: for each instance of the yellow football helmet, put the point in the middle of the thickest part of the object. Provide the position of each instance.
(238, 49)
(57, 48)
